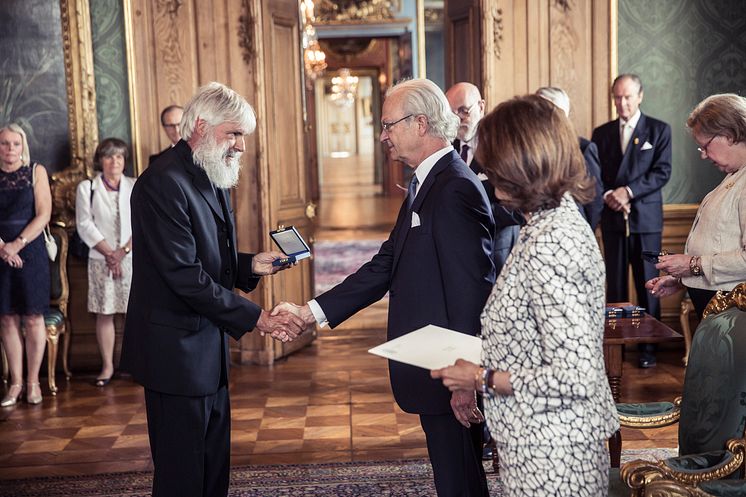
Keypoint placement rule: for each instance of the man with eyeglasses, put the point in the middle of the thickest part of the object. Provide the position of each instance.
(171, 122)
(467, 103)
(437, 267)
(635, 154)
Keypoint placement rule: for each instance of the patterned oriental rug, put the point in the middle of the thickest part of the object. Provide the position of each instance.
(390, 478)
(335, 260)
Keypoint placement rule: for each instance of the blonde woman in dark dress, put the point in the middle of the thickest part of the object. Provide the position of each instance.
(25, 209)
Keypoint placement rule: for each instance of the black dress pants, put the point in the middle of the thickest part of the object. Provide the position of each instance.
(190, 443)
(456, 456)
(621, 252)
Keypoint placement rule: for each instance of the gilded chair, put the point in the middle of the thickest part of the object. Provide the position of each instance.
(55, 319)
(687, 307)
(712, 413)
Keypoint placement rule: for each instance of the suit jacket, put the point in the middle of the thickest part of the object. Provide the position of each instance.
(592, 210)
(507, 222)
(185, 267)
(645, 168)
(154, 157)
(437, 273)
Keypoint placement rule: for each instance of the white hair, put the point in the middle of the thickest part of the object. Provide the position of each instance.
(422, 97)
(557, 96)
(215, 104)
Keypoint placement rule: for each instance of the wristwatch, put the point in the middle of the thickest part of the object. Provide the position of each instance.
(126, 249)
(695, 266)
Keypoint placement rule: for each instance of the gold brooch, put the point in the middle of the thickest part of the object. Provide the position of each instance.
(637, 140)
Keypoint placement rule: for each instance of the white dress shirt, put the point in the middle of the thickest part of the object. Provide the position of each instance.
(95, 221)
(421, 172)
(718, 236)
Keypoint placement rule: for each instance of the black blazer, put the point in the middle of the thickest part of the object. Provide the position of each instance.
(507, 222)
(645, 167)
(185, 268)
(437, 273)
(154, 157)
(592, 210)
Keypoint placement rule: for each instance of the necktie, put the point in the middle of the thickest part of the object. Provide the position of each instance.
(464, 153)
(412, 191)
(626, 134)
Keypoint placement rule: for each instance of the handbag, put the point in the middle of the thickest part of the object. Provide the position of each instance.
(77, 246)
(49, 241)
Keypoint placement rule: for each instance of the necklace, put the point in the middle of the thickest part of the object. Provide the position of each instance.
(109, 185)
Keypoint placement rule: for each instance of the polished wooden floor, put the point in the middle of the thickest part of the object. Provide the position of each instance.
(329, 402)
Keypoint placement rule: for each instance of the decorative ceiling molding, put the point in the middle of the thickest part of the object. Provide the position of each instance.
(356, 10)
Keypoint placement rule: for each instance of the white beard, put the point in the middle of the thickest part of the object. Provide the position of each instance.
(221, 165)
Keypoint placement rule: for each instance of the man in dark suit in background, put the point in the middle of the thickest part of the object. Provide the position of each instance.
(182, 306)
(635, 153)
(467, 103)
(592, 210)
(171, 121)
(437, 267)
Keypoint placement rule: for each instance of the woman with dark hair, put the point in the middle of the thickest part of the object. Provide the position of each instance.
(547, 400)
(714, 257)
(102, 215)
(25, 209)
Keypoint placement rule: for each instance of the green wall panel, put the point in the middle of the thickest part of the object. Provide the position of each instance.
(684, 51)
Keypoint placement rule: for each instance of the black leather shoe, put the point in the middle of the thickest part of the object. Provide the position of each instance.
(487, 453)
(646, 361)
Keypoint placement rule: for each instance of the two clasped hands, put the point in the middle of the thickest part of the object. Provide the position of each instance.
(286, 321)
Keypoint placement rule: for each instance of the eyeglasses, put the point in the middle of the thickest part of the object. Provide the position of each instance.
(387, 126)
(465, 111)
(703, 148)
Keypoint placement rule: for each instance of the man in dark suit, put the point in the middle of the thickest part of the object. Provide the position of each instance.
(182, 306)
(635, 153)
(171, 121)
(467, 103)
(592, 210)
(437, 267)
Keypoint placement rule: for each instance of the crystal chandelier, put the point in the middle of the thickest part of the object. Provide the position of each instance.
(314, 59)
(344, 88)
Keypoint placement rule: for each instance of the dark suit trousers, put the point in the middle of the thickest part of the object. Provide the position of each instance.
(618, 253)
(456, 456)
(190, 443)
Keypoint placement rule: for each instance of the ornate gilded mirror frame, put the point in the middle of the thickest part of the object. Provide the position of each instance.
(81, 105)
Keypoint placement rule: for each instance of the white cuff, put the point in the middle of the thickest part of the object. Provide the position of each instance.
(607, 193)
(629, 191)
(318, 313)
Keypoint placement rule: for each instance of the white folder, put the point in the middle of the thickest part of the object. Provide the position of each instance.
(431, 347)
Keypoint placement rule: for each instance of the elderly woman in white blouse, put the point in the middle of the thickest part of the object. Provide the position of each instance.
(714, 257)
(547, 399)
(102, 213)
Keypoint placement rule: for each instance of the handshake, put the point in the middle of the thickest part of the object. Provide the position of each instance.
(286, 321)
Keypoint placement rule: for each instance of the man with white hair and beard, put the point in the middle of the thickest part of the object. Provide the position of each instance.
(182, 303)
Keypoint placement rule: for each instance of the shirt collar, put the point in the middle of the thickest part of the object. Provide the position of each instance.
(632, 120)
(426, 165)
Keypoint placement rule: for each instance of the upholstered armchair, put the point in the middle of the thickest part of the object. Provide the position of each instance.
(711, 411)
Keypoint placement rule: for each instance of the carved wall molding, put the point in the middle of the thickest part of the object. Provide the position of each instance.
(81, 102)
(497, 31)
(246, 32)
(168, 22)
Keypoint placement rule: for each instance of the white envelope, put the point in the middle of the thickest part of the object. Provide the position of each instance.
(415, 220)
(646, 146)
(431, 347)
